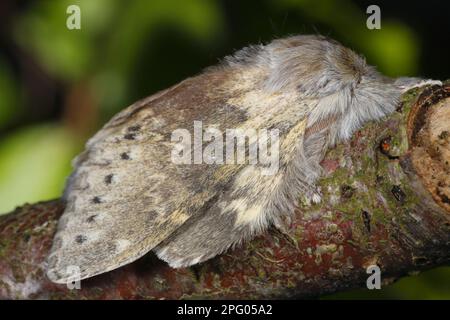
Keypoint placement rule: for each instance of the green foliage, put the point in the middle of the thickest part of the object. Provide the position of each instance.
(393, 49)
(108, 46)
(34, 164)
(431, 284)
(9, 95)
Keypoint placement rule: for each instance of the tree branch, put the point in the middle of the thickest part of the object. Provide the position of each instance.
(385, 202)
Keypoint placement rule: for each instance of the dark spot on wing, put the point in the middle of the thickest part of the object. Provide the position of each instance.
(109, 178)
(134, 128)
(91, 218)
(130, 136)
(125, 156)
(96, 200)
(80, 239)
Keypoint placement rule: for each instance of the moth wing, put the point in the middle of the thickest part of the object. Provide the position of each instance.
(112, 217)
(247, 206)
(126, 195)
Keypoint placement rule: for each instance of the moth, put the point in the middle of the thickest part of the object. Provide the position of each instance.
(126, 195)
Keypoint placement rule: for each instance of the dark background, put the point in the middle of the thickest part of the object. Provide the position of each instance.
(58, 86)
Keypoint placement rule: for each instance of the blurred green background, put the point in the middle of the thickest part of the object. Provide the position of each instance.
(58, 86)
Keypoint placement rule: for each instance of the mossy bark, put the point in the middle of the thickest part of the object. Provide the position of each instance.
(385, 202)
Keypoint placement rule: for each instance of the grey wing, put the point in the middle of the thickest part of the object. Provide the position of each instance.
(122, 201)
(250, 204)
(126, 195)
